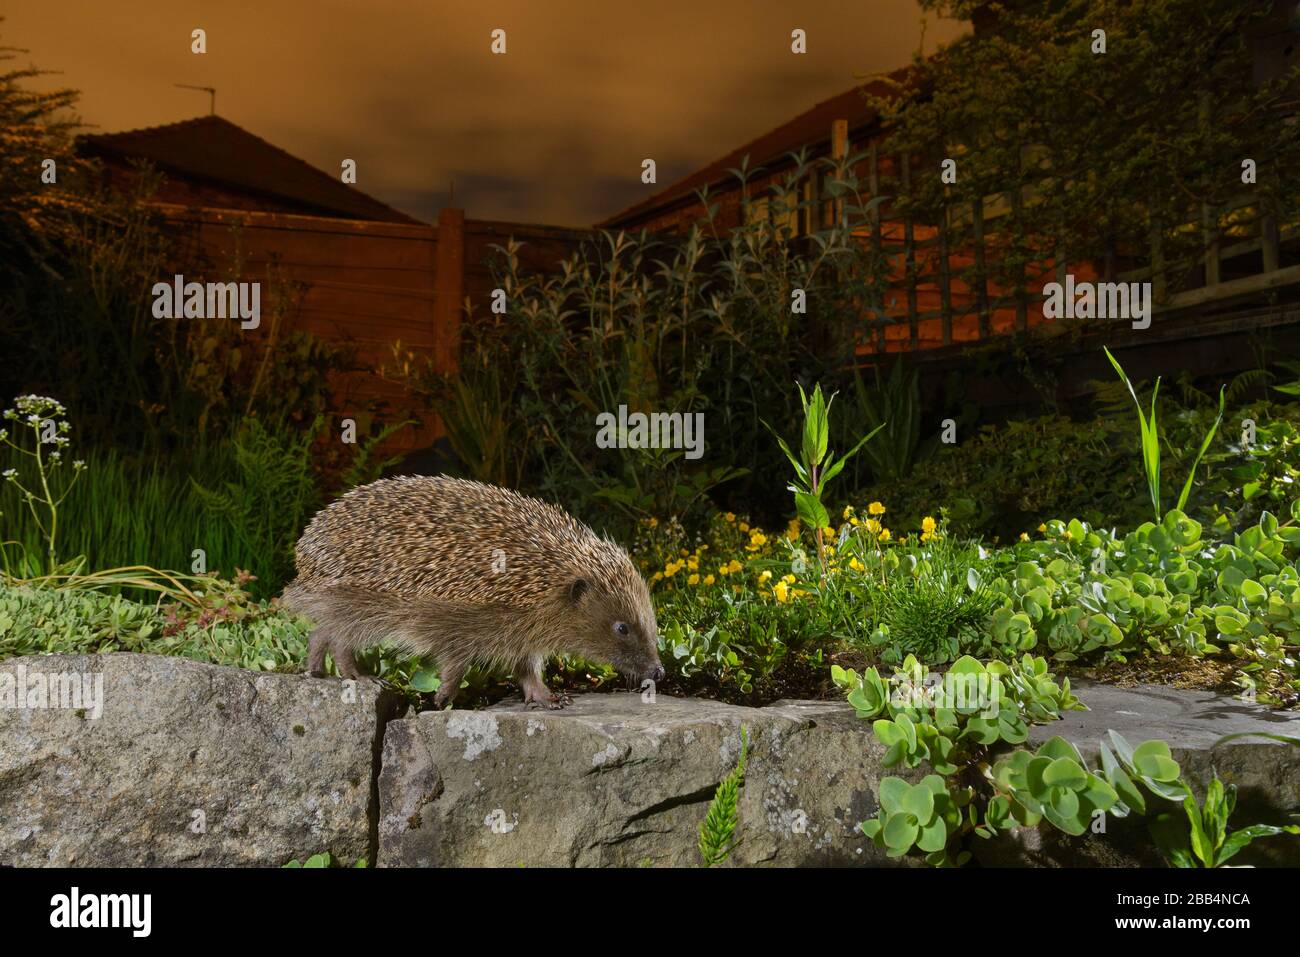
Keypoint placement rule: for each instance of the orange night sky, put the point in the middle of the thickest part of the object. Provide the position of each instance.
(552, 132)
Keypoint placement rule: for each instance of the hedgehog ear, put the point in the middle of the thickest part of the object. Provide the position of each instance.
(579, 588)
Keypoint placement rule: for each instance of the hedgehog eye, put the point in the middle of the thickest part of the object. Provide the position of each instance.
(621, 628)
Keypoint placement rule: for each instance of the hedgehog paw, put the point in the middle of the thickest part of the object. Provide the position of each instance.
(543, 697)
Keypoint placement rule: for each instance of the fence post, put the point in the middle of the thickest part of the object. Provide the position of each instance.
(1270, 242)
(1022, 303)
(448, 287)
(839, 150)
(945, 277)
(981, 276)
(1159, 285)
(909, 258)
(877, 244)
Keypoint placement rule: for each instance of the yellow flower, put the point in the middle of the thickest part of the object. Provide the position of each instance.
(828, 532)
(764, 577)
(1024, 537)
(692, 563)
(652, 522)
(1042, 527)
(873, 526)
(848, 512)
(928, 525)
(730, 516)
(693, 580)
(757, 539)
(735, 566)
(781, 591)
(789, 579)
(792, 530)
(854, 521)
(744, 526)
(926, 536)
(884, 535)
(709, 579)
(875, 508)
(656, 577)
(856, 565)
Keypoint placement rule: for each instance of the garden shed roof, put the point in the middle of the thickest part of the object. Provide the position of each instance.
(811, 128)
(214, 150)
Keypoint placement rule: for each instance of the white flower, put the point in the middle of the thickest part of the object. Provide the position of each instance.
(10, 474)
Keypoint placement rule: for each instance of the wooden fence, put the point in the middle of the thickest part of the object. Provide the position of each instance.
(369, 285)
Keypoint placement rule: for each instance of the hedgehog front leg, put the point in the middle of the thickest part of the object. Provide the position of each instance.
(534, 687)
(344, 660)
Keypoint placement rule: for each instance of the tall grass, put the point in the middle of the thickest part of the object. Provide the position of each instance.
(125, 512)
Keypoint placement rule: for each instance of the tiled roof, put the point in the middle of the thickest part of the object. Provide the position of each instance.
(811, 128)
(217, 151)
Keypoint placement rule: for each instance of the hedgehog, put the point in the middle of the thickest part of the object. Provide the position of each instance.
(470, 574)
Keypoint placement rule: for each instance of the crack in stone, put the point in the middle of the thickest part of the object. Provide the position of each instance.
(388, 707)
(700, 796)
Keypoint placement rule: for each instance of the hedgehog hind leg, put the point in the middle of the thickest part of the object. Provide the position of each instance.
(317, 644)
(322, 640)
(344, 660)
(451, 673)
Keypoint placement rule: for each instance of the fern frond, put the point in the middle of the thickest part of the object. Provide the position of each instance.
(1244, 382)
(719, 824)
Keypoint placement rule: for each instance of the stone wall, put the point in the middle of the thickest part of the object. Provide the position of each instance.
(184, 763)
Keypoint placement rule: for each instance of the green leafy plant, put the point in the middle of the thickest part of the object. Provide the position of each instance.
(953, 725)
(323, 860)
(969, 728)
(894, 403)
(267, 503)
(1200, 837)
(936, 604)
(718, 829)
(1150, 435)
(367, 464)
(816, 465)
(924, 815)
